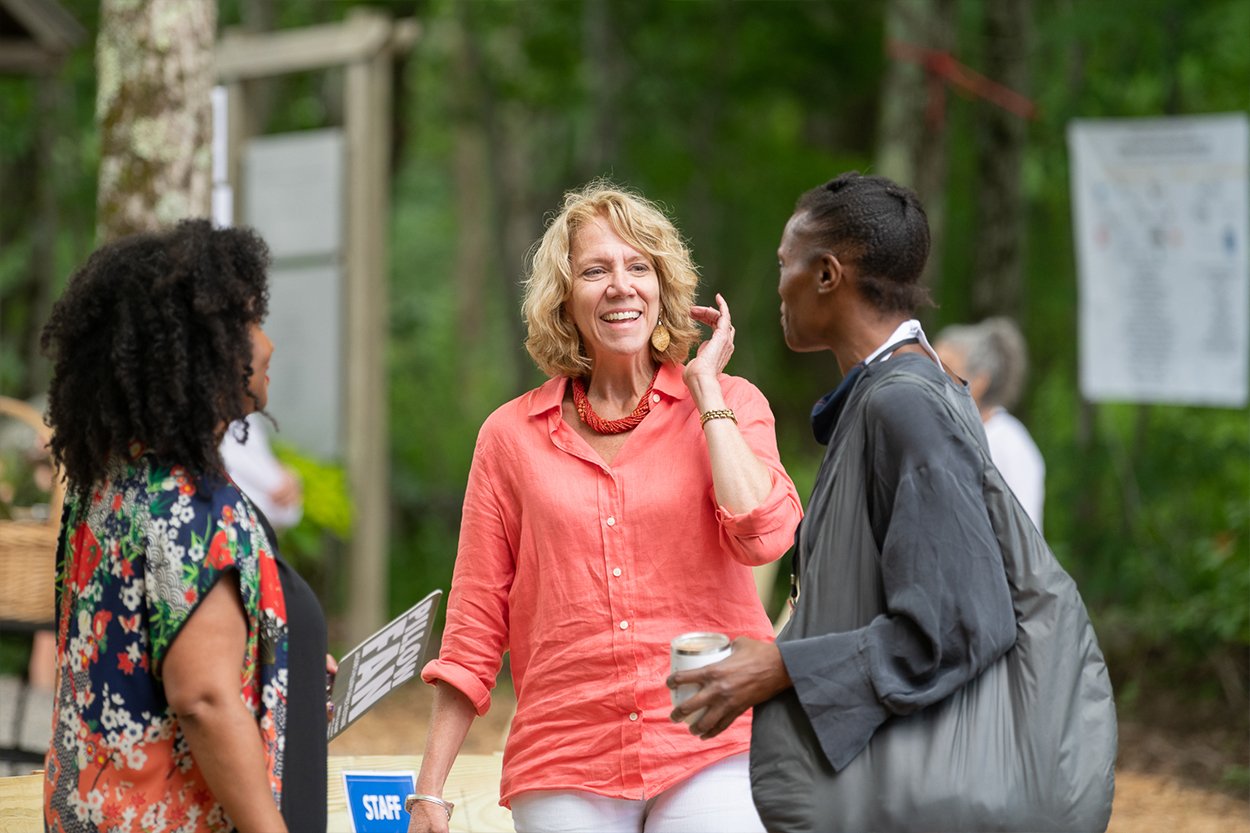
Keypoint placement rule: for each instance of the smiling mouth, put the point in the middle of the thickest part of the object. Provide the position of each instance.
(629, 315)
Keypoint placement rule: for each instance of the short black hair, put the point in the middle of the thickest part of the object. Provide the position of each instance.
(151, 344)
(881, 227)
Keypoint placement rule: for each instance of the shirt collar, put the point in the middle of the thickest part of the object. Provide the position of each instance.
(908, 329)
(669, 382)
(550, 394)
(826, 412)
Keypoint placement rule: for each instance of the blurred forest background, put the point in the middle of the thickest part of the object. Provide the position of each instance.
(725, 112)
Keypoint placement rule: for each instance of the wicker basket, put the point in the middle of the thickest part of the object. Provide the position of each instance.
(28, 547)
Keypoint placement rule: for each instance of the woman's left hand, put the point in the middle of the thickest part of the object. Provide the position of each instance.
(332, 670)
(713, 354)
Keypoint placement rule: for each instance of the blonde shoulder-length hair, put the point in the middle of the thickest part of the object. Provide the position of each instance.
(553, 340)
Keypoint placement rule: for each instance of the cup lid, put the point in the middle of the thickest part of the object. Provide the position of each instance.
(700, 642)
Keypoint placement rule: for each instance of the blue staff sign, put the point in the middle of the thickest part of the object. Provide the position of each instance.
(375, 800)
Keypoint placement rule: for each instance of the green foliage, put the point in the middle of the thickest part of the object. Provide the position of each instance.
(1147, 506)
(69, 178)
(14, 654)
(1237, 779)
(681, 143)
(725, 112)
(327, 510)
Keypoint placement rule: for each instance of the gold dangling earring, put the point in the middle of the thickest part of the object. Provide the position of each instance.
(659, 336)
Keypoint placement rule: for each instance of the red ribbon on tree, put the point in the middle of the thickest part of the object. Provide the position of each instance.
(942, 69)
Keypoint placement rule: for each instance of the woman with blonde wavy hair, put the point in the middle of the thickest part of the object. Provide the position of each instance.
(619, 504)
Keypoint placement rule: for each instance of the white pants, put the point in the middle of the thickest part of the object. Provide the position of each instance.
(716, 799)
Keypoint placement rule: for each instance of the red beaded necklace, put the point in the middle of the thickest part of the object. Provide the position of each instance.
(600, 425)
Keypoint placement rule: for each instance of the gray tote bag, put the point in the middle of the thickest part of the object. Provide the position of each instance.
(1029, 745)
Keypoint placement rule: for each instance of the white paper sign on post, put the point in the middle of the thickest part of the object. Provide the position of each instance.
(1160, 209)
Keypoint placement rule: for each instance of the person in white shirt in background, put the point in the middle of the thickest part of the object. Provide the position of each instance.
(273, 487)
(993, 359)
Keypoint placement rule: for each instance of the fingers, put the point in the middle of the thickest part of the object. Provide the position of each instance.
(753, 673)
(718, 711)
(705, 315)
(691, 676)
(717, 316)
(713, 699)
(332, 669)
(712, 355)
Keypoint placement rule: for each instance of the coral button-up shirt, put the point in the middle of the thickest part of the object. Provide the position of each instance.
(586, 572)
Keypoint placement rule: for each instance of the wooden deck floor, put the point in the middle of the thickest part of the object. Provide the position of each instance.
(473, 785)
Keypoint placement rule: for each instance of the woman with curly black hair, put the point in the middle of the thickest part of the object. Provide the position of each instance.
(190, 691)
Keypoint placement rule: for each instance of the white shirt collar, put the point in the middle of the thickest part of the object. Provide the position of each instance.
(908, 329)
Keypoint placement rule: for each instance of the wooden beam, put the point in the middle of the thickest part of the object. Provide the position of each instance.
(243, 55)
(26, 58)
(49, 24)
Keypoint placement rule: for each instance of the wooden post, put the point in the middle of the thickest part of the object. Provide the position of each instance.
(365, 43)
(367, 95)
(238, 130)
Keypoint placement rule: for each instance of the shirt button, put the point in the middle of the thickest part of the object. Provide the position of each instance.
(611, 521)
(655, 397)
(633, 715)
(624, 625)
(617, 572)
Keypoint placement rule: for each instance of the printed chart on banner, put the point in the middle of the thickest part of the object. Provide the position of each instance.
(1160, 209)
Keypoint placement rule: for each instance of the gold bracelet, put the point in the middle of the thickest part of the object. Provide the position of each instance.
(717, 413)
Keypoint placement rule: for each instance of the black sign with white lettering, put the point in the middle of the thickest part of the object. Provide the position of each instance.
(382, 663)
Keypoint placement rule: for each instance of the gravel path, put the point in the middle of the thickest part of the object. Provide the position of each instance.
(1145, 802)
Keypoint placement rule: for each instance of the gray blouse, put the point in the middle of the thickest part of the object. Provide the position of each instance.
(901, 469)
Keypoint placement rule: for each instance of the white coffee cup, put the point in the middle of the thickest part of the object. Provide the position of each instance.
(695, 650)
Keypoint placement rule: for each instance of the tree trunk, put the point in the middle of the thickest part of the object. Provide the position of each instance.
(603, 60)
(998, 273)
(519, 220)
(508, 133)
(472, 185)
(154, 62)
(911, 144)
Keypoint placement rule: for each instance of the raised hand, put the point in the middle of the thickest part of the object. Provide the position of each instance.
(713, 355)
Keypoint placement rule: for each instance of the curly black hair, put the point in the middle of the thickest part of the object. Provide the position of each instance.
(151, 344)
(881, 226)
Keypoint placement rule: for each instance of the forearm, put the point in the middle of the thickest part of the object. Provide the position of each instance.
(226, 745)
(742, 482)
(450, 719)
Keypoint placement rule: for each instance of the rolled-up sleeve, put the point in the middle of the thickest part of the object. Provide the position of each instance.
(948, 609)
(476, 633)
(767, 531)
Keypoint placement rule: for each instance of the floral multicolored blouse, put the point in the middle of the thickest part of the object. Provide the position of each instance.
(136, 559)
